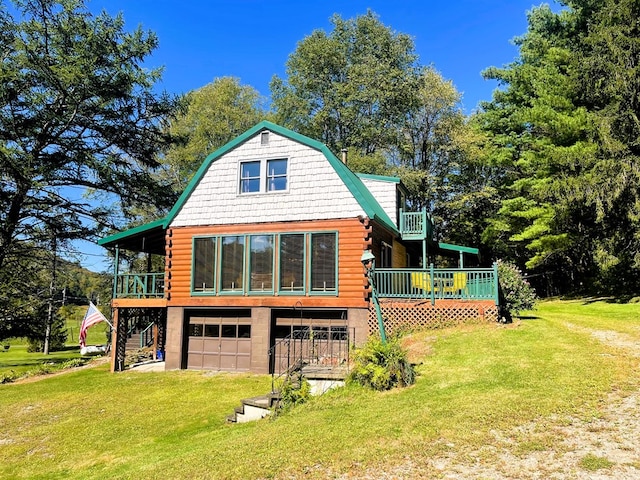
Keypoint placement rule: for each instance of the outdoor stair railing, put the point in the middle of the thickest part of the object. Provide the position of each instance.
(308, 346)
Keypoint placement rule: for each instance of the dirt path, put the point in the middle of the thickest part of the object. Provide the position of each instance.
(604, 447)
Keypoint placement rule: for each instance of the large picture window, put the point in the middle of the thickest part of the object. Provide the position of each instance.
(232, 263)
(204, 265)
(323, 262)
(238, 264)
(261, 263)
(292, 262)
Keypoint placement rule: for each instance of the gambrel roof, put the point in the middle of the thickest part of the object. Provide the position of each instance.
(351, 181)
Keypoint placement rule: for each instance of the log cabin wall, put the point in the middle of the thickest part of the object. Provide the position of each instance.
(352, 240)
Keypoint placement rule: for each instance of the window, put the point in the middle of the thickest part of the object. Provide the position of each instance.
(261, 263)
(249, 177)
(292, 262)
(385, 256)
(232, 263)
(323, 262)
(212, 331)
(263, 176)
(276, 175)
(204, 253)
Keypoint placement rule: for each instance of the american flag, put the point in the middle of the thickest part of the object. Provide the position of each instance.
(92, 317)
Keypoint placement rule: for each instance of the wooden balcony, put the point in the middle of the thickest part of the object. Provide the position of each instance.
(139, 285)
(437, 283)
(415, 225)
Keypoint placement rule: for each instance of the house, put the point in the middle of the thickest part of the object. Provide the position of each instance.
(266, 242)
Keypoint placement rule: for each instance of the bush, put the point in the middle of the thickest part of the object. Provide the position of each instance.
(516, 294)
(382, 366)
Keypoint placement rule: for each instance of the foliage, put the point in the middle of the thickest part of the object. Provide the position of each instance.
(57, 337)
(212, 116)
(564, 131)
(80, 126)
(293, 391)
(350, 88)
(381, 366)
(516, 294)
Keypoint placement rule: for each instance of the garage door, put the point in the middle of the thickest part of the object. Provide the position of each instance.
(313, 340)
(219, 343)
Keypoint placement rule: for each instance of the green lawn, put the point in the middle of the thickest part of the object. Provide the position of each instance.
(17, 360)
(91, 424)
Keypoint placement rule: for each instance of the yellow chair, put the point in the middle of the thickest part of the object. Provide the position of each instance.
(421, 280)
(459, 283)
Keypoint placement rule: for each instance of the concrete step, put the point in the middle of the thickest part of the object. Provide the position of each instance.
(253, 408)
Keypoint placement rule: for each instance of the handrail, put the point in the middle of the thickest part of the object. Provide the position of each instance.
(437, 283)
(146, 336)
(308, 346)
(139, 285)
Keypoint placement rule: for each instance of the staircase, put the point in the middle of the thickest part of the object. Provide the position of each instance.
(139, 337)
(254, 408)
(298, 353)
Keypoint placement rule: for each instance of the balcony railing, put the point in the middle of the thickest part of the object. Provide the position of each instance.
(437, 283)
(415, 225)
(139, 285)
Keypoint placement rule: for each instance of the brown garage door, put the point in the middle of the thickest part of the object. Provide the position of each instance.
(219, 343)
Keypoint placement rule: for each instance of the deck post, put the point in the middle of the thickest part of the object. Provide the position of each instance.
(433, 284)
(496, 284)
(115, 271)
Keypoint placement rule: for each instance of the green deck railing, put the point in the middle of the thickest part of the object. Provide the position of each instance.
(139, 285)
(437, 283)
(415, 225)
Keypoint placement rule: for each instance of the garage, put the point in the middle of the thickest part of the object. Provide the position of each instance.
(219, 341)
(314, 337)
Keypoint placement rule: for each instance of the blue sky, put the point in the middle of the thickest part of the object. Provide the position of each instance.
(201, 40)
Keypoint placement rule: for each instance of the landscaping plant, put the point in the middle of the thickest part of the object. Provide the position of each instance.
(382, 366)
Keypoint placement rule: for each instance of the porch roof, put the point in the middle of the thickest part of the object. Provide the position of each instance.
(148, 238)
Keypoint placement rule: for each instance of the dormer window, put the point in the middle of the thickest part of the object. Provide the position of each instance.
(262, 176)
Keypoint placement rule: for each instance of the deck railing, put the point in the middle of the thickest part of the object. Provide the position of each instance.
(437, 283)
(139, 285)
(415, 225)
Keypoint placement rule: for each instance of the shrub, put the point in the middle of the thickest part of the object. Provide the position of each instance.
(382, 366)
(294, 390)
(516, 293)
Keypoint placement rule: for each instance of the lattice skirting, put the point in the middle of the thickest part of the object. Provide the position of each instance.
(416, 315)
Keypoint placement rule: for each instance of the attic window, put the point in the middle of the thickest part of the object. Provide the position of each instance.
(264, 138)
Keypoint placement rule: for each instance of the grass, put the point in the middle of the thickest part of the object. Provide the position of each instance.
(90, 424)
(17, 361)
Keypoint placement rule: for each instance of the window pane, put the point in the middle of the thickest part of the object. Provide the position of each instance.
(228, 331)
(212, 330)
(204, 253)
(244, 331)
(276, 175)
(323, 262)
(249, 177)
(232, 259)
(195, 329)
(261, 252)
(292, 262)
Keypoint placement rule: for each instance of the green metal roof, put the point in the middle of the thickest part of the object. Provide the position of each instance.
(143, 238)
(458, 248)
(360, 192)
(150, 237)
(382, 178)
